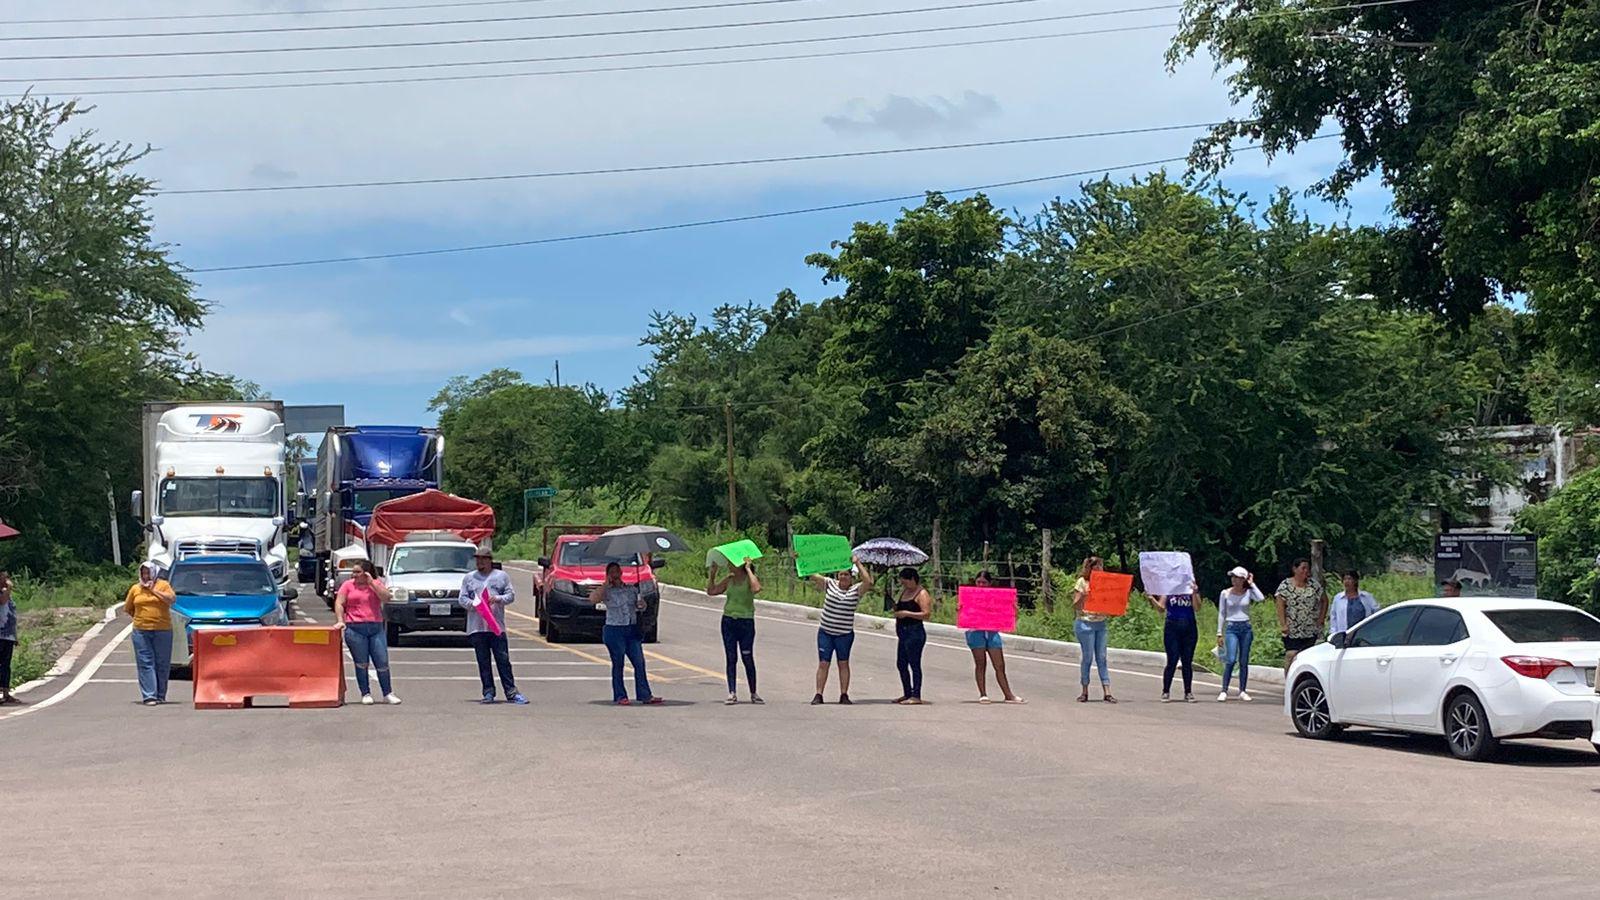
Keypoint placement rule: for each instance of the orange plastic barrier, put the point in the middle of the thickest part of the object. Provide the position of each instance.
(304, 663)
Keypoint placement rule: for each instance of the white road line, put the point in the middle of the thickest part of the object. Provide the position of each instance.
(64, 663)
(78, 681)
(113, 681)
(520, 678)
(962, 648)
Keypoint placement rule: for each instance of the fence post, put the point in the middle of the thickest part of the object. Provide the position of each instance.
(1044, 570)
(1317, 548)
(985, 554)
(938, 583)
(852, 535)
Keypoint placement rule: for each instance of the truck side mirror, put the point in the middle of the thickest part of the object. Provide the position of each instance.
(136, 500)
(657, 562)
(544, 562)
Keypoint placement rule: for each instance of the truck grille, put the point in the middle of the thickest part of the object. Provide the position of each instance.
(186, 549)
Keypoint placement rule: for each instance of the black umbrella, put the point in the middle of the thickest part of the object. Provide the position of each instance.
(630, 540)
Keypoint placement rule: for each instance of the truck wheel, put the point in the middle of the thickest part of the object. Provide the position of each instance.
(551, 634)
(538, 613)
(653, 636)
(392, 635)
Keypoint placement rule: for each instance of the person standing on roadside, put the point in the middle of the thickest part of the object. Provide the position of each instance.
(837, 634)
(986, 647)
(486, 641)
(1351, 605)
(1302, 611)
(8, 636)
(621, 634)
(1179, 635)
(1235, 634)
(149, 602)
(910, 611)
(1090, 629)
(1450, 588)
(738, 624)
(358, 608)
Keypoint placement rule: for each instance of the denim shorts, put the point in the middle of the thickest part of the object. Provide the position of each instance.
(830, 644)
(983, 640)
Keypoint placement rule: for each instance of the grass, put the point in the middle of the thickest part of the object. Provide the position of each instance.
(52, 613)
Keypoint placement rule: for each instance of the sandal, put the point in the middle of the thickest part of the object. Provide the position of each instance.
(1109, 699)
(1083, 698)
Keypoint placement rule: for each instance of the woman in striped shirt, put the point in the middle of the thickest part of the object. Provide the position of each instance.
(840, 597)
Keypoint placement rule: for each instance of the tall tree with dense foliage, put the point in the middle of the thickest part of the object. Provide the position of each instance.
(92, 310)
(1480, 117)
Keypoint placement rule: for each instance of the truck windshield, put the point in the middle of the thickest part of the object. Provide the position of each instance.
(414, 560)
(572, 555)
(363, 502)
(215, 580)
(219, 497)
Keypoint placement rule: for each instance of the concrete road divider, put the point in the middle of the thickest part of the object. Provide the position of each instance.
(234, 666)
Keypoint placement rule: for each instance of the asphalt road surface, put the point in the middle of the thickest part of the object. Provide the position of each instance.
(572, 797)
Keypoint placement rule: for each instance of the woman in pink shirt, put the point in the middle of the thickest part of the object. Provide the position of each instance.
(359, 608)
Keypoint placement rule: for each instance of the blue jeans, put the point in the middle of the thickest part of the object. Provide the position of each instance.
(486, 644)
(831, 645)
(152, 656)
(1236, 649)
(739, 639)
(626, 641)
(367, 642)
(1092, 641)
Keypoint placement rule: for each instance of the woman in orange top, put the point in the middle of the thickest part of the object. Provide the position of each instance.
(150, 604)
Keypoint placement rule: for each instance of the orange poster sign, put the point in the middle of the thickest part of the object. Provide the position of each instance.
(1108, 593)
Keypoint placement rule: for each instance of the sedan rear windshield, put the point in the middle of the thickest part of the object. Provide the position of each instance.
(1537, 626)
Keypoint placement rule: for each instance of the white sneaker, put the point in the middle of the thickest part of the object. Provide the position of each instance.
(732, 699)
(1222, 697)
(366, 699)
(1166, 698)
(391, 699)
(1245, 696)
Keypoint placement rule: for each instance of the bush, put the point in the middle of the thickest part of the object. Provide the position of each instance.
(1568, 528)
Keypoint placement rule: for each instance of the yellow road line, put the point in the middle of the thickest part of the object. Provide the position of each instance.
(650, 653)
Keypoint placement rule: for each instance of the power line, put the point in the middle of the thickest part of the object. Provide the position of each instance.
(744, 45)
(671, 167)
(275, 13)
(363, 26)
(662, 29)
(700, 223)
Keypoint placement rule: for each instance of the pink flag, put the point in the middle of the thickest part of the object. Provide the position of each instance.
(486, 609)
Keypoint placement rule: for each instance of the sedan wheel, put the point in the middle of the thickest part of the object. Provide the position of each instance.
(1310, 711)
(1467, 729)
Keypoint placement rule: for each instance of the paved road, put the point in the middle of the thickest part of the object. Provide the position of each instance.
(572, 797)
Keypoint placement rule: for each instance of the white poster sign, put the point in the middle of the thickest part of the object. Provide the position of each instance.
(1166, 572)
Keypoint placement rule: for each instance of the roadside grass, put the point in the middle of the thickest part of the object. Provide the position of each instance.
(52, 613)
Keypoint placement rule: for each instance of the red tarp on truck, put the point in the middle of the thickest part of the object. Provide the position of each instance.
(430, 510)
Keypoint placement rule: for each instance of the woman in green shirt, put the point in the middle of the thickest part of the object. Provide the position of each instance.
(738, 625)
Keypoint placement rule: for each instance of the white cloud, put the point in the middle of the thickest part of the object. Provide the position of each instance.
(908, 117)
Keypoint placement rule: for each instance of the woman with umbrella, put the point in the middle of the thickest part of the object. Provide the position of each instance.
(623, 603)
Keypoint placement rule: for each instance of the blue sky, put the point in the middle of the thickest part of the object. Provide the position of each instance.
(382, 337)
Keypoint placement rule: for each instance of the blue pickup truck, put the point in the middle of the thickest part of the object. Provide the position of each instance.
(219, 590)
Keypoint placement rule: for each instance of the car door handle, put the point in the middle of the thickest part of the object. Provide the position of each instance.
(1383, 661)
(1448, 658)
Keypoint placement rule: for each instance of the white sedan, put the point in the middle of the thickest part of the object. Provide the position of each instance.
(1476, 670)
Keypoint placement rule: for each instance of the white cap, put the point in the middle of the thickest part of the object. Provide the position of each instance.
(1239, 572)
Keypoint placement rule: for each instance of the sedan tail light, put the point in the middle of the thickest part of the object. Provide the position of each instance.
(1538, 667)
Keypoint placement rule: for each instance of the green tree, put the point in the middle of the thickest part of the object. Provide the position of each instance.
(460, 389)
(1568, 528)
(92, 311)
(1479, 117)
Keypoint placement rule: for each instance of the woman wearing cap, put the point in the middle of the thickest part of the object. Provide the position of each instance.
(1179, 635)
(1090, 629)
(150, 603)
(986, 648)
(1234, 632)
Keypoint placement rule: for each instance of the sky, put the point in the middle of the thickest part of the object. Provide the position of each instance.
(382, 336)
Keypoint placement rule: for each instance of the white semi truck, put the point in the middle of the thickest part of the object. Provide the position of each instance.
(213, 476)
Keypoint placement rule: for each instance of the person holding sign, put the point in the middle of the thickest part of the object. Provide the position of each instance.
(485, 591)
(1179, 635)
(621, 634)
(738, 624)
(840, 598)
(914, 608)
(1090, 628)
(1234, 632)
(986, 649)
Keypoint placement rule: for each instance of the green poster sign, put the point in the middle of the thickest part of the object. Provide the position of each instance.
(819, 554)
(732, 553)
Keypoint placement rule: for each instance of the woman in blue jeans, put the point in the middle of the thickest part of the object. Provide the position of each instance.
(358, 607)
(1234, 634)
(622, 636)
(1091, 631)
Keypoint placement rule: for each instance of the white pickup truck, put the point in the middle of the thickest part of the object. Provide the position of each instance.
(424, 575)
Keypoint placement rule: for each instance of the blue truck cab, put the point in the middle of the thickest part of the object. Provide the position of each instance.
(220, 589)
(358, 467)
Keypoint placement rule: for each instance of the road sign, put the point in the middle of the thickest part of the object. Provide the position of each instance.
(539, 493)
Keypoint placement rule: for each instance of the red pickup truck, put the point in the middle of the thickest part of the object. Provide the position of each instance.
(569, 575)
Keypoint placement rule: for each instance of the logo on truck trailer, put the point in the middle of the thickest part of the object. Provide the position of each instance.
(217, 423)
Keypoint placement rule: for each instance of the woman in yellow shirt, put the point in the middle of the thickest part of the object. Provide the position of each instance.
(150, 604)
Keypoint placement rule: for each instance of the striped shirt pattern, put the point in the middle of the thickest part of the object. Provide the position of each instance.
(839, 607)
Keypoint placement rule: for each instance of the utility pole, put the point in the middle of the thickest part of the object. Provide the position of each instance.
(733, 499)
(558, 373)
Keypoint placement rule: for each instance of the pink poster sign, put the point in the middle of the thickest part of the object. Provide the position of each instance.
(986, 608)
(486, 609)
